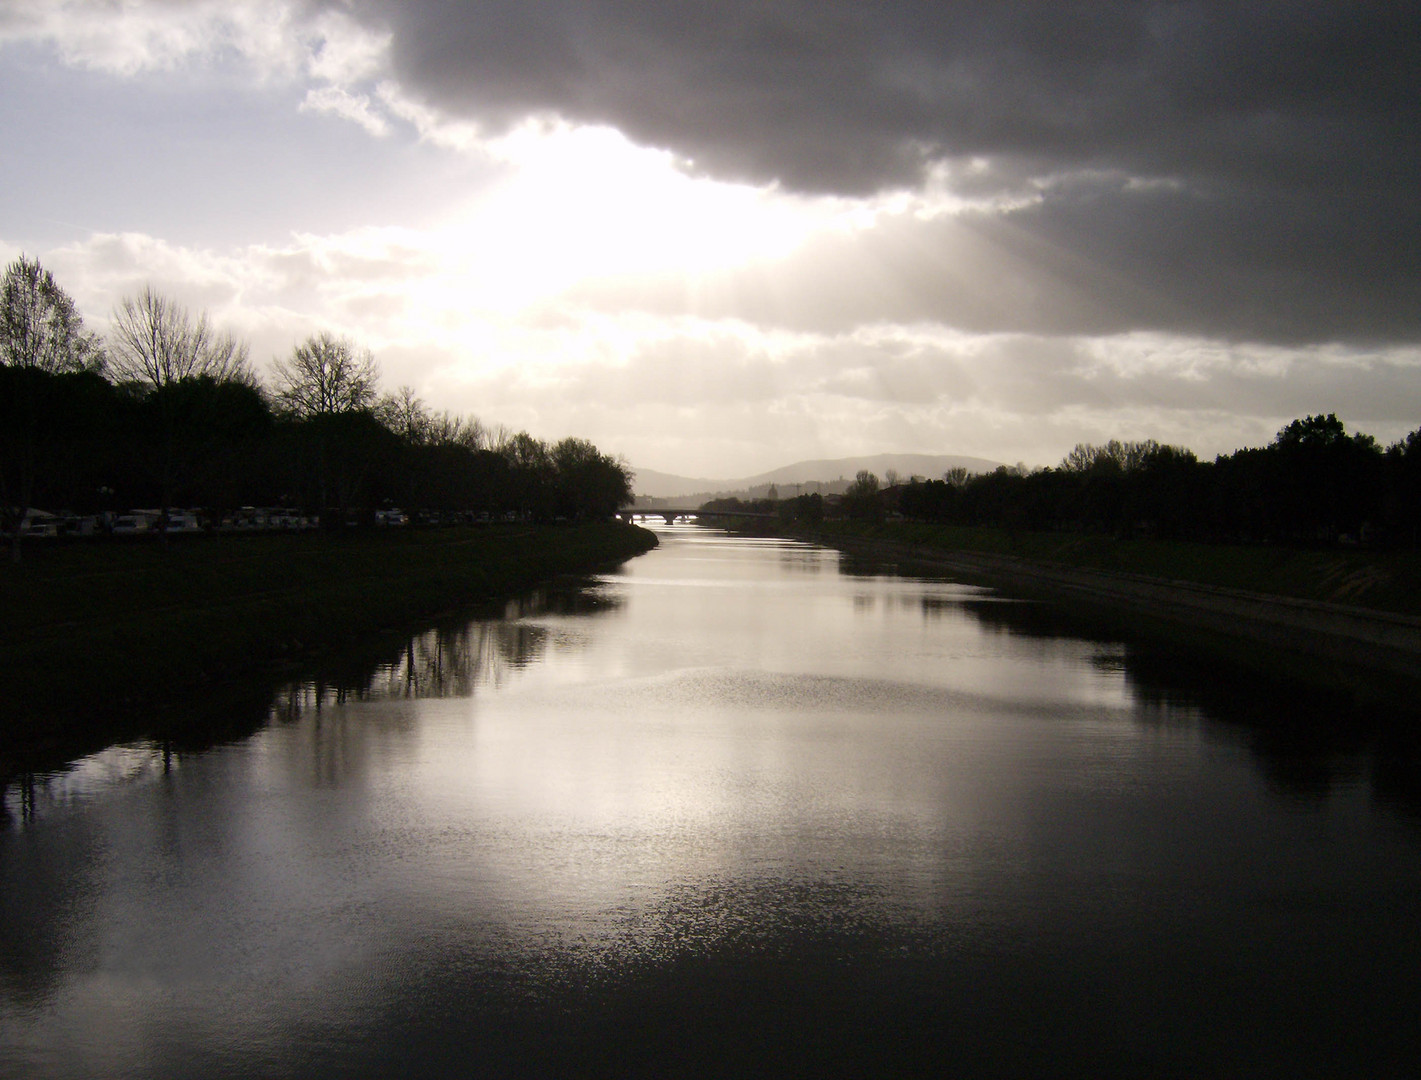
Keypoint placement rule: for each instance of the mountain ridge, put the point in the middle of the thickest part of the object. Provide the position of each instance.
(818, 471)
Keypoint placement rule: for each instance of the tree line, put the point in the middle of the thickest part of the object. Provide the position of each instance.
(167, 411)
(1314, 484)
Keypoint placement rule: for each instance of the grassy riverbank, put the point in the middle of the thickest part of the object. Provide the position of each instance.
(1383, 580)
(123, 623)
(1361, 654)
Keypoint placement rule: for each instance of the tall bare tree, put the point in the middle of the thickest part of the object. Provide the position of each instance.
(41, 335)
(155, 341)
(405, 414)
(39, 325)
(330, 384)
(325, 375)
(408, 417)
(1122, 457)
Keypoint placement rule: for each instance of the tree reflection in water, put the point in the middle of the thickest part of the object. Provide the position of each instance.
(445, 662)
(1307, 741)
(452, 659)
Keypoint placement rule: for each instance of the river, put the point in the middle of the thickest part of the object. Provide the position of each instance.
(740, 807)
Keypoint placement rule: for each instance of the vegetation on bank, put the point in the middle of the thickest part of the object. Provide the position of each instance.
(1314, 486)
(1386, 580)
(1317, 514)
(120, 624)
(167, 412)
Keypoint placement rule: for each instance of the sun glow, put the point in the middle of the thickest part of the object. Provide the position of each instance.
(584, 203)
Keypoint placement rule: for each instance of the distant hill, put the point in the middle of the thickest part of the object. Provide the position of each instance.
(825, 475)
(668, 485)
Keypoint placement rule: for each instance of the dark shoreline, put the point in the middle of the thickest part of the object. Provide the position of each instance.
(1371, 656)
(109, 643)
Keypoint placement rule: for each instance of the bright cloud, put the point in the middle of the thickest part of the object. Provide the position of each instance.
(132, 37)
(353, 107)
(345, 52)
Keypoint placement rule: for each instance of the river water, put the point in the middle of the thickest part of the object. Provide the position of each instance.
(738, 807)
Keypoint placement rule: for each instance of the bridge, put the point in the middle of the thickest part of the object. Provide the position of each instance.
(671, 513)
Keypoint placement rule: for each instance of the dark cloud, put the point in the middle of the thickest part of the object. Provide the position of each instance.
(1287, 131)
(845, 96)
(1088, 259)
(1264, 264)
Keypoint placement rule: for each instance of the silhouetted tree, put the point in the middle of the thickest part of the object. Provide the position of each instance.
(1164, 492)
(929, 500)
(325, 375)
(862, 499)
(1403, 498)
(808, 509)
(1125, 457)
(157, 345)
(531, 475)
(1098, 475)
(994, 498)
(328, 386)
(406, 415)
(588, 483)
(155, 341)
(1328, 480)
(218, 431)
(41, 334)
(361, 460)
(39, 326)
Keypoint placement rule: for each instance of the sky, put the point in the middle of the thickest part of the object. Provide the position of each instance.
(718, 238)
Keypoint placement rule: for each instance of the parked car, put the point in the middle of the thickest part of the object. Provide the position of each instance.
(133, 524)
(79, 526)
(38, 523)
(183, 521)
(247, 519)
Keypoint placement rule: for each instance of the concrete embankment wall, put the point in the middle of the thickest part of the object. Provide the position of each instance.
(1354, 642)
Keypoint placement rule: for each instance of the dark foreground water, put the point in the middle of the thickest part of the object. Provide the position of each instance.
(735, 809)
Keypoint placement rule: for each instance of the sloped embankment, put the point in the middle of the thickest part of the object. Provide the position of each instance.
(1369, 650)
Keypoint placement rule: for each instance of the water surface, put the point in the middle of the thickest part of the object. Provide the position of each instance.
(731, 809)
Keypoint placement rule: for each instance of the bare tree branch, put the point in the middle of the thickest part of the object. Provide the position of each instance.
(324, 375)
(404, 414)
(155, 341)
